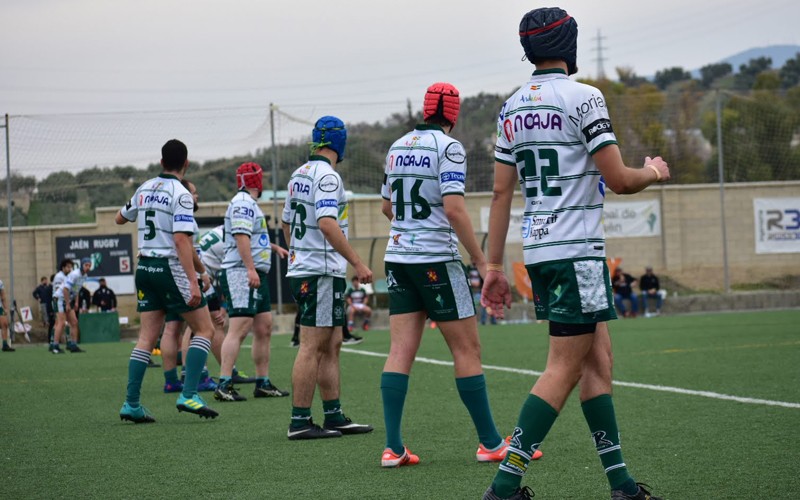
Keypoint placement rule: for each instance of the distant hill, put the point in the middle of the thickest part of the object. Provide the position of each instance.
(779, 54)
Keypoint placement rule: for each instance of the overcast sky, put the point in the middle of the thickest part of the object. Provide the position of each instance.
(67, 56)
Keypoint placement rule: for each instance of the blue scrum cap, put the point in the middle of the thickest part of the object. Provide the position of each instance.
(330, 132)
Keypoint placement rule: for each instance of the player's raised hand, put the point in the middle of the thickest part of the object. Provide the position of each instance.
(496, 293)
(659, 166)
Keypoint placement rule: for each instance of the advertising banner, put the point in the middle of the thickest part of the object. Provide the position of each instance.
(777, 223)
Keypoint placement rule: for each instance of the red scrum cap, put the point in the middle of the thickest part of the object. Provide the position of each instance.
(249, 175)
(441, 99)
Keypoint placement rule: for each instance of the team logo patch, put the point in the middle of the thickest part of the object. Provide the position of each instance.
(600, 440)
(329, 183)
(455, 153)
(597, 128)
(432, 275)
(292, 257)
(140, 295)
(452, 177)
(186, 201)
(304, 288)
(396, 239)
(391, 282)
(183, 218)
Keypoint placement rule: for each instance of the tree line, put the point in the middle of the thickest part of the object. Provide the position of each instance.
(674, 116)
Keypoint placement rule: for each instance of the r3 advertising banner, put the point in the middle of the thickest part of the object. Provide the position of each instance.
(777, 225)
(111, 255)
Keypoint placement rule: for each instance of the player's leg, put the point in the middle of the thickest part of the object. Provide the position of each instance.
(58, 328)
(4, 331)
(151, 323)
(199, 320)
(314, 342)
(582, 298)
(262, 333)
(367, 312)
(74, 331)
(238, 328)
(169, 352)
(598, 410)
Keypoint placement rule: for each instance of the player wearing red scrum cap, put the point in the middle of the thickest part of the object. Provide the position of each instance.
(423, 197)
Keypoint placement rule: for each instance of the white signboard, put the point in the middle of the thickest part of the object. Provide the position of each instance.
(629, 219)
(632, 219)
(777, 225)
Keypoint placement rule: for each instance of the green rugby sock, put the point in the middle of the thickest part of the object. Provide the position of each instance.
(137, 367)
(394, 387)
(171, 376)
(535, 420)
(333, 411)
(262, 381)
(473, 393)
(195, 361)
(599, 414)
(300, 417)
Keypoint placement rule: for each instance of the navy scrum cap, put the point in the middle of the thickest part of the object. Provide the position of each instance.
(550, 33)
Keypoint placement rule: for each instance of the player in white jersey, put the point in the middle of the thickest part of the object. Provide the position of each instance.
(4, 319)
(212, 251)
(244, 281)
(315, 222)
(555, 139)
(171, 336)
(423, 197)
(73, 284)
(166, 280)
(63, 305)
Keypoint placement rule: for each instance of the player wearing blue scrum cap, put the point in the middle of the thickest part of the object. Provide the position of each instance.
(315, 224)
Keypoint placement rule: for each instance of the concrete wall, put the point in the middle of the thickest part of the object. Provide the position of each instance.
(690, 249)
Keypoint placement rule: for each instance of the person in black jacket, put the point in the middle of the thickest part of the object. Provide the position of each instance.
(650, 287)
(44, 294)
(104, 298)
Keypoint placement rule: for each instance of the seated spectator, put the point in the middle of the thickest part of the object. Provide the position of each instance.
(651, 289)
(104, 298)
(623, 284)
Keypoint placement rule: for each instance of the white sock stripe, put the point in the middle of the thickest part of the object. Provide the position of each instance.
(519, 452)
(613, 448)
(510, 470)
(140, 355)
(613, 467)
(200, 343)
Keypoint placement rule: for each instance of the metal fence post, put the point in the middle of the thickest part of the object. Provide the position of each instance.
(276, 215)
(721, 172)
(9, 209)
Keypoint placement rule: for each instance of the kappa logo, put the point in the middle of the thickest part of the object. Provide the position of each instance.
(391, 282)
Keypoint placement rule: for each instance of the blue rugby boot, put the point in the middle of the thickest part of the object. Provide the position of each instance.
(136, 414)
(196, 405)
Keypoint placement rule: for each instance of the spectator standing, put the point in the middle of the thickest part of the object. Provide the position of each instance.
(623, 284)
(650, 287)
(104, 298)
(44, 295)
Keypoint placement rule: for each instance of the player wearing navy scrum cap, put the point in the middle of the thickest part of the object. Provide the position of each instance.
(555, 139)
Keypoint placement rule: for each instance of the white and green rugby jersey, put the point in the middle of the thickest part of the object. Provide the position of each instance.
(212, 250)
(58, 284)
(162, 207)
(423, 167)
(244, 216)
(549, 129)
(74, 282)
(315, 191)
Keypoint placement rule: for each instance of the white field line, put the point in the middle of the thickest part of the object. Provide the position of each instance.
(636, 385)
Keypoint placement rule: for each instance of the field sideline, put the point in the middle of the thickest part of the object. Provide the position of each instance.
(708, 406)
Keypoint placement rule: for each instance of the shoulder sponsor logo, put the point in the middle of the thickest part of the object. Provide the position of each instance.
(186, 201)
(329, 183)
(263, 241)
(183, 218)
(452, 176)
(593, 103)
(597, 128)
(327, 203)
(455, 153)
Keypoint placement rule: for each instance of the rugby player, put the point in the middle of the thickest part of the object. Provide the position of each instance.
(66, 285)
(315, 221)
(555, 139)
(166, 281)
(4, 319)
(423, 197)
(248, 257)
(356, 304)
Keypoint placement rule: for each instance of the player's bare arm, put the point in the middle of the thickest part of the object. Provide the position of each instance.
(243, 246)
(185, 250)
(120, 219)
(282, 252)
(287, 228)
(334, 235)
(386, 208)
(626, 180)
(455, 209)
(496, 291)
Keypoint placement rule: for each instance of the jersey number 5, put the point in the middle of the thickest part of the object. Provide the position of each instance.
(151, 226)
(527, 159)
